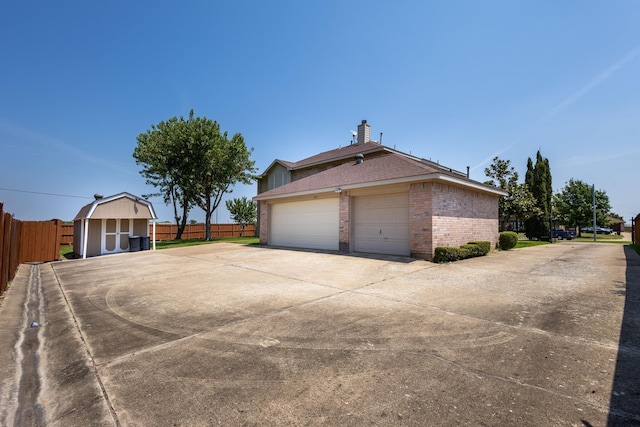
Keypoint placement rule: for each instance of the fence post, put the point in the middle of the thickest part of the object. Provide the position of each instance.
(4, 268)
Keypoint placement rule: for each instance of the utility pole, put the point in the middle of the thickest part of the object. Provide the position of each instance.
(593, 192)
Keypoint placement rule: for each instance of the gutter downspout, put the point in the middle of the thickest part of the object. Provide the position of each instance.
(154, 235)
(85, 238)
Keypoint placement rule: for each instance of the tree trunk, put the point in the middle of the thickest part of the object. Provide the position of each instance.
(183, 223)
(207, 219)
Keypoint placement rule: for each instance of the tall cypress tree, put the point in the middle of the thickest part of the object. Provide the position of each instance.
(538, 178)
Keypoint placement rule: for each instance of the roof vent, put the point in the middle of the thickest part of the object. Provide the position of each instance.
(98, 196)
(359, 158)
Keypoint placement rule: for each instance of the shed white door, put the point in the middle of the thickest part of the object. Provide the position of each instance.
(115, 235)
(312, 224)
(381, 224)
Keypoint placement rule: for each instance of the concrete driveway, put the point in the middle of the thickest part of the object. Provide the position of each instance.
(226, 334)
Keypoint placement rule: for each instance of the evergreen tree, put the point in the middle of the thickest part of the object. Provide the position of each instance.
(538, 179)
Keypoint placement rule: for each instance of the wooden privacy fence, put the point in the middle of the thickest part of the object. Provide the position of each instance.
(168, 231)
(25, 241)
(196, 231)
(9, 228)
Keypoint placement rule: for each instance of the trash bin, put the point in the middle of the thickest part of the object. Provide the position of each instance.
(144, 243)
(134, 243)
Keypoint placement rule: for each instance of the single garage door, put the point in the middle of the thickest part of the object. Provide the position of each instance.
(381, 224)
(310, 224)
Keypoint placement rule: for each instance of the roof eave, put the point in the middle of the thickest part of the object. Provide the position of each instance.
(403, 180)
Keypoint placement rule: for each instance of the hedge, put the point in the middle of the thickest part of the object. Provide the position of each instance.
(470, 250)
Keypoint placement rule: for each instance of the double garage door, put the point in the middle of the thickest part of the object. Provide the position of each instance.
(380, 224)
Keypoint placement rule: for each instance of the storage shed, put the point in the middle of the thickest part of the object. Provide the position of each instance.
(111, 224)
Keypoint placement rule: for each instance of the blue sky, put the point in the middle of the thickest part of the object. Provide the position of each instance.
(456, 82)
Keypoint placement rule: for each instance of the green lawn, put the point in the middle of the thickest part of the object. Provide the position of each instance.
(165, 244)
(586, 237)
(602, 238)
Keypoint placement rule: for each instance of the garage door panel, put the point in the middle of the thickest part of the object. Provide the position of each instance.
(381, 224)
(310, 224)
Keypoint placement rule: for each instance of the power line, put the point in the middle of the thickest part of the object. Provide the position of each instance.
(43, 193)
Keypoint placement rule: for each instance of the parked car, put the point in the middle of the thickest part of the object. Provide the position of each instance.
(599, 230)
(562, 234)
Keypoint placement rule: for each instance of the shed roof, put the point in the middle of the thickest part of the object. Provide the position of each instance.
(387, 169)
(87, 210)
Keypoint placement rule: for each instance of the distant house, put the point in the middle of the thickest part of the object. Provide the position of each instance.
(369, 198)
(106, 225)
(616, 224)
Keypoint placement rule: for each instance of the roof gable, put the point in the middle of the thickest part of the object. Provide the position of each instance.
(346, 152)
(87, 211)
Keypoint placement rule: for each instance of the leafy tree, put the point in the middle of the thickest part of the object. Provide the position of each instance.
(243, 211)
(163, 153)
(219, 163)
(538, 180)
(574, 204)
(519, 203)
(193, 164)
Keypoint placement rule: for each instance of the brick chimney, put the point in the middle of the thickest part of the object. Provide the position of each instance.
(364, 132)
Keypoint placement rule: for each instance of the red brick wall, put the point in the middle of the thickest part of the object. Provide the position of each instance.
(448, 215)
(264, 222)
(420, 220)
(345, 209)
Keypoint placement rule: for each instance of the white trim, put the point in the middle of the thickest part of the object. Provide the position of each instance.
(85, 238)
(117, 234)
(129, 196)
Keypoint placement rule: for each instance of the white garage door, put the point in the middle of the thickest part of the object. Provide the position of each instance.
(310, 224)
(381, 224)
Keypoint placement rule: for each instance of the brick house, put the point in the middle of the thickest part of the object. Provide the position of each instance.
(369, 198)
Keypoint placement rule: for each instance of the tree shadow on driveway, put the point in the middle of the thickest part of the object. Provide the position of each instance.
(624, 406)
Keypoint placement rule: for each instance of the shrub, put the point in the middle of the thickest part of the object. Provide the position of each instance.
(485, 246)
(508, 240)
(446, 254)
(472, 250)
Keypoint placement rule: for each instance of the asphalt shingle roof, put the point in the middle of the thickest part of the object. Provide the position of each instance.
(335, 154)
(382, 168)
